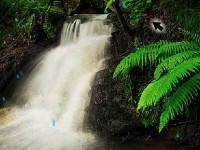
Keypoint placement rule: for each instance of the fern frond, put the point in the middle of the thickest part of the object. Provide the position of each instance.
(154, 46)
(180, 99)
(171, 62)
(151, 54)
(55, 10)
(108, 4)
(189, 19)
(142, 57)
(57, 3)
(177, 47)
(139, 58)
(156, 90)
(193, 36)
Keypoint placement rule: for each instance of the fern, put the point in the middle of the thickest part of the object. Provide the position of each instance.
(25, 14)
(151, 55)
(176, 47)
(57, 3)
(176, 78)
(156, 90)
(55, 10)
(135, 9)
(189, 19)
(180, 99)
(193, 36)
(141, 57)
(108, 4)
(173, 61)
(48, 28)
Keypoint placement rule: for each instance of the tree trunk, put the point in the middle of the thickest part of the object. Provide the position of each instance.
(121, 18)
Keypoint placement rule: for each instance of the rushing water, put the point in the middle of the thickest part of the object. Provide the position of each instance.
(56, 93)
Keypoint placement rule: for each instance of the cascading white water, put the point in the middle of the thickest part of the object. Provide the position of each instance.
(57, 92)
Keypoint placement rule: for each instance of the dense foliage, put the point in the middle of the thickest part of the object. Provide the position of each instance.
(176, 78)
(25, 17)
(134, 9)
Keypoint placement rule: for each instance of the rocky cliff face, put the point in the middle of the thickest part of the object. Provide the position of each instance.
(111, 112)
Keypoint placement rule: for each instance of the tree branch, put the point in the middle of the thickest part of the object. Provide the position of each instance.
(121, 18)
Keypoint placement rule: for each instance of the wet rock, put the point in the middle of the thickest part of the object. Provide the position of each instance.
(18, 65)
(110, 113)
(186, 133)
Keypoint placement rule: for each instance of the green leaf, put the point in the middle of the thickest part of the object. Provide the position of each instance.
(156, 90)
(180, 99)
(173, 61)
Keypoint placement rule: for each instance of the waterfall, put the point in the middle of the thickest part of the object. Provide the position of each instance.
(56, 93)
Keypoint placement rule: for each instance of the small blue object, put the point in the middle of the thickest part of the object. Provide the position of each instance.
(3, 99)
(124, 5)
(21, 73)
(105, 11)
(135, 101)
(110, 70)
(178, 136)
(53, 122)
(18, 76)
(16, 20)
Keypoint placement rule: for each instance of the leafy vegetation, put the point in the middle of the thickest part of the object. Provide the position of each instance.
(175, 82)
(189, 19)
(135, 9)
(176, 78)
(23, 16)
